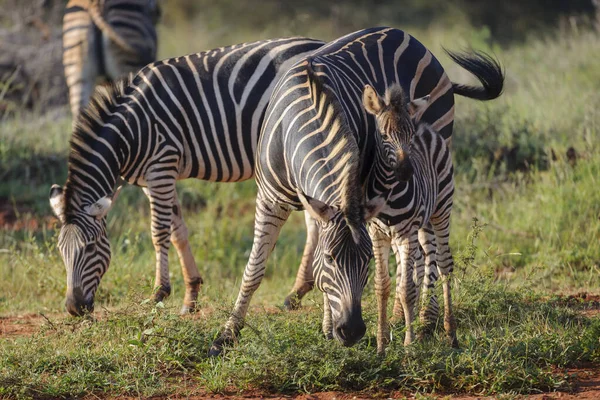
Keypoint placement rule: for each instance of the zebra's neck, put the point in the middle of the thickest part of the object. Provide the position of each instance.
(381, 176)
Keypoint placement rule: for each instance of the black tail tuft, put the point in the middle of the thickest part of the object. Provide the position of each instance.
(488, 71)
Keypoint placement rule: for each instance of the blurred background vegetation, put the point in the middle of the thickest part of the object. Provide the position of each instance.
(527, 164)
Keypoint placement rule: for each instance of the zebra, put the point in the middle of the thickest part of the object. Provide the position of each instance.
(319, 151)
(412, 204)
(440, 115)
(196, 116)
(105, 38)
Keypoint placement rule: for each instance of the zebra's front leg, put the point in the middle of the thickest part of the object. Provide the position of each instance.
(445, 265)
(268, 221)
(405, 249)
(429, 306)
(305, 280)
(191, 275)
(327, 319)
(161, 212)
(381, 252)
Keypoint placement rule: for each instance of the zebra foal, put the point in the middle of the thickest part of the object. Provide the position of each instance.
(426, 197)
(196, 116)
(105, 38)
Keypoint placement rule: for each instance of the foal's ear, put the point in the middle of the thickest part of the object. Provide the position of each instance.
(101, 208)
(418, 105)
(316, 208)
(57, 202)
(371, 100)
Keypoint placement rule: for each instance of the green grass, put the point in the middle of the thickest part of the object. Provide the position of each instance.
(537, 236)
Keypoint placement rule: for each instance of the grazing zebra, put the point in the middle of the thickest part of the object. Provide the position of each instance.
(196, 116)
(439, 113)
(425, 197)
(105, 38)
(319, 151)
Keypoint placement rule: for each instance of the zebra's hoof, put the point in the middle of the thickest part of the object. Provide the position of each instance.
(217, 347)
(161, 293)
(292, 302)
(453, 342)
(188, 309)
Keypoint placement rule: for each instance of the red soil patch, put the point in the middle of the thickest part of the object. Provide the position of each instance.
(24, 325)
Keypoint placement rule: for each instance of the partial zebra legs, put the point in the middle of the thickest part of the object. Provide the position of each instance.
(268, 221)
(445, 263)
(429, 305)
(305, 280)
(168, 226)
(381, 252)
(407, 251)
(191, 275)
(327, 319)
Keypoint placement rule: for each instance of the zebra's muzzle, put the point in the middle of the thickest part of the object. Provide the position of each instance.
(404, 168)
(350, 328)
(76, 304)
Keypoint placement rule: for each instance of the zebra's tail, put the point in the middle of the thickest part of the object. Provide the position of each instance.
(486, 69)
(96, 16)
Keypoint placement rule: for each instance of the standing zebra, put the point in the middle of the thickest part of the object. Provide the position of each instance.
(425, 197)
(196, 116)
(319, 151)
(415, 72)
(105, 38)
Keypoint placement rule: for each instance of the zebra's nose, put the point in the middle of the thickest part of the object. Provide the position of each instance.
(76, 304)
(350, 329)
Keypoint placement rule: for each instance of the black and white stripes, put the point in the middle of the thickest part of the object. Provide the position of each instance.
(196, 116)
(105, 38)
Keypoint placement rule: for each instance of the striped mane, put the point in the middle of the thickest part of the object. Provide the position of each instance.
(351, 191)
(87, 129)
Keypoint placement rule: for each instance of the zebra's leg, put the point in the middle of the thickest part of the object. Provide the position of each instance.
(445, 263)
(305, 280)
(191, 275)
(429, 305)
(268, 221)
(327, 320)
(161, 211)
(381, 251)
(405, 249)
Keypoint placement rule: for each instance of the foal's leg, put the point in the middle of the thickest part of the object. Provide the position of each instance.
(381, 252)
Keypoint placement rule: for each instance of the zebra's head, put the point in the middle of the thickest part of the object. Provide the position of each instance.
(84, 246)
(393, 117)
(341, 264)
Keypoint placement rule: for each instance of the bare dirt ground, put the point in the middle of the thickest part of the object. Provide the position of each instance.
(585, 380)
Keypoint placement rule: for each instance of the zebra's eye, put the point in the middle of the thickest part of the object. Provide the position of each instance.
(384, 136)
(329, 259)
(90, 247)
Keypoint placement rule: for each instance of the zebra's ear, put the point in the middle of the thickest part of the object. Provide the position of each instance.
(418, 105)
(57, 202)
(371, 101)
(374, 207)
(316, 208)
(101, 208)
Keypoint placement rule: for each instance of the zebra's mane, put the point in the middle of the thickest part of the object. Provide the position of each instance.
(351, 198)
(87, 129)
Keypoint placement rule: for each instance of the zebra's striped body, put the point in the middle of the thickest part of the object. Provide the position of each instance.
(425, 198)
(318, 151)
(196, 116)
(105, 38)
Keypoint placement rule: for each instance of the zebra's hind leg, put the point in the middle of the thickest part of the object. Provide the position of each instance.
(445, 265)
(191, 275)
(381, 252)
(268, 221)
(305, 280)
(327, 319)
(429, 306)
(405, 249)
(161, 212)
